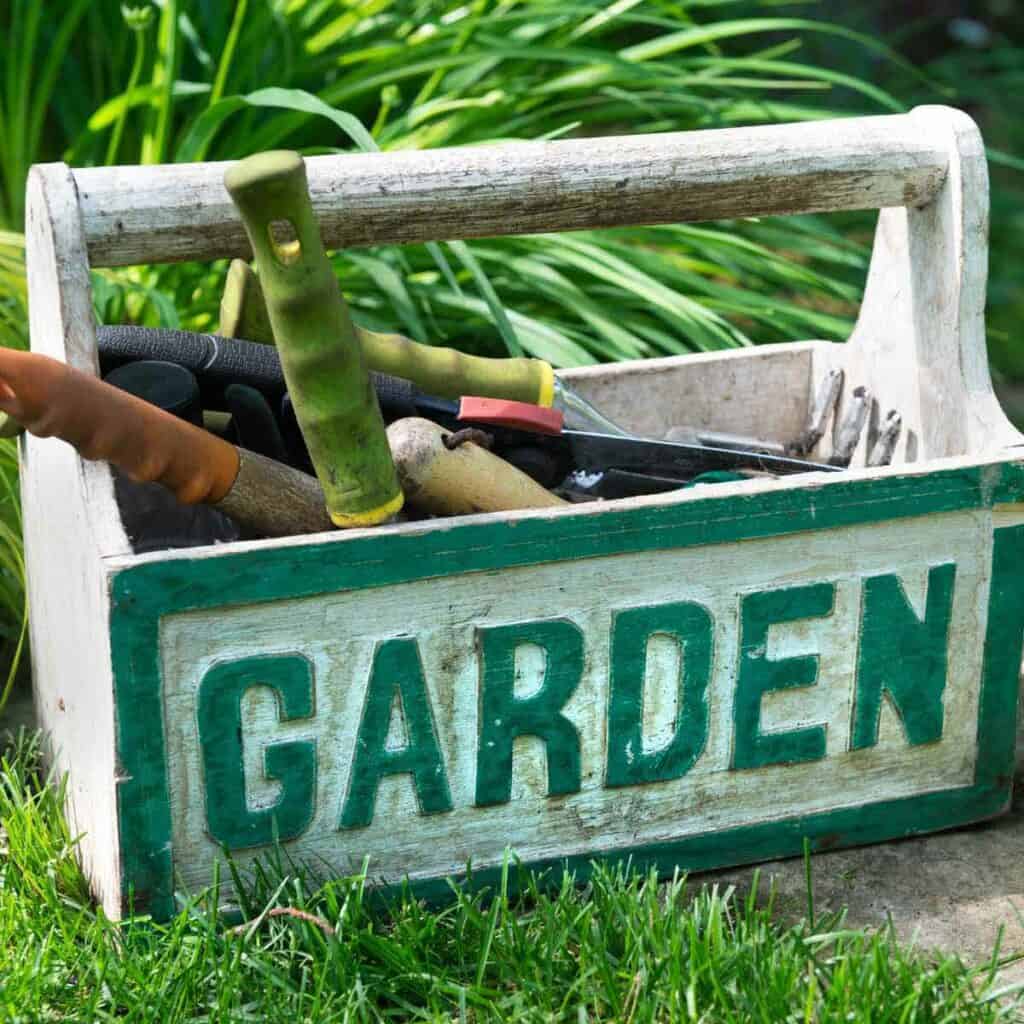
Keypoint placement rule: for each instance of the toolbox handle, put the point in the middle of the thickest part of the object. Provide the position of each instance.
(919, 342)
(173, 212)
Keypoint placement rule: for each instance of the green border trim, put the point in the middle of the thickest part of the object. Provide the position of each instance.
(141, 595)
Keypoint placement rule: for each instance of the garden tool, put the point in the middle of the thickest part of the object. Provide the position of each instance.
(439, 371)
(518, 423)
(165, 385)
(720, 439)
(243, 309)
(445, 372)
(254, 424)
(446, 475)
(817, 418)
(216, 362)
(152, 517)
(291, 432)
(149, 444)
(851, 427)
(885, 444)
(322, 361)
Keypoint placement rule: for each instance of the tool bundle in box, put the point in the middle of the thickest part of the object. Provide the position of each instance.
(729, 601)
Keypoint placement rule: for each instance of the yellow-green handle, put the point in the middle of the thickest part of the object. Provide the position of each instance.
(444, 372)
(323, 364)
(448, 373)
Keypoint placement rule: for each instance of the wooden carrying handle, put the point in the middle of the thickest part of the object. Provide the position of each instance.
(137, 214)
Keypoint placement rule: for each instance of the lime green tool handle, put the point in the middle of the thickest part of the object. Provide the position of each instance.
(323, 363)
(444, 372)
(448, 373)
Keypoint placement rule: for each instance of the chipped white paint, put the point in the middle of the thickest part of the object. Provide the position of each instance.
(70, 522)
(919, 343)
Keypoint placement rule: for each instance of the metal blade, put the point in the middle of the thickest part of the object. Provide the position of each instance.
(675, 459)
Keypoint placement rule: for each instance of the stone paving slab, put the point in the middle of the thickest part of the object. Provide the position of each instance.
(949, 891)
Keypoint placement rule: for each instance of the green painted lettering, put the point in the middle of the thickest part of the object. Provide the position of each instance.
(904, 656)
(503, 716)
(690, 626)
(758, 674)
(229, 818)
(396, 671)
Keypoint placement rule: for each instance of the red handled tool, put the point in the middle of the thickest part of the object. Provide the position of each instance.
(603, 452)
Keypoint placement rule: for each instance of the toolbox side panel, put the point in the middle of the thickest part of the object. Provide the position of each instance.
(760, 392)
(919, 342)
(70, 522)
(695, 685)
(618, 760)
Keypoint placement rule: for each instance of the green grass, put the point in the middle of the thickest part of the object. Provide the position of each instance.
(621, 949)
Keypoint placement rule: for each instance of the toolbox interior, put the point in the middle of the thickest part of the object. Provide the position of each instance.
(760, 392)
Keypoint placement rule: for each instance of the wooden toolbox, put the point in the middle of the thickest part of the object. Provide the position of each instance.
(692, 680)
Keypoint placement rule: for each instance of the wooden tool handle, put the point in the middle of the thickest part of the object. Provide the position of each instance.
(461, 480)
(50, 399)
(243, 309)
(275, 500)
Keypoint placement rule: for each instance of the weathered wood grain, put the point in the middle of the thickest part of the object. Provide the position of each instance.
(70, 521)
(183, 212)
(919, 343)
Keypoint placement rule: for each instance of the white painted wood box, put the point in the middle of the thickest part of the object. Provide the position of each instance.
(694, 679)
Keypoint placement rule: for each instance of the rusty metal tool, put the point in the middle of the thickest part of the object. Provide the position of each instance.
(851, 427)
(823, 406)
(885, 444)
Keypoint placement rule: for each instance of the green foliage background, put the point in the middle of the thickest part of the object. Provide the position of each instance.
(93, 82)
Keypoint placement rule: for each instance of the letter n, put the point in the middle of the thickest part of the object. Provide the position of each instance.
(903, 656)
